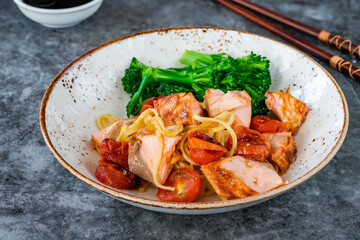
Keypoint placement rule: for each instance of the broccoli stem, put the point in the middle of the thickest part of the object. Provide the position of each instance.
(170, 76)
(135, 103)
(199, 60)
(196, 59)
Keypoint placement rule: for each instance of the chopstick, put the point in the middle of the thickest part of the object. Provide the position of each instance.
(335, 61)
(322, 35)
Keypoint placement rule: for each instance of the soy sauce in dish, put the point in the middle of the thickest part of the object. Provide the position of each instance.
(55, 4)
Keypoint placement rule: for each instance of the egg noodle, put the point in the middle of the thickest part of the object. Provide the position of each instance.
(219, 128)
(106, 120)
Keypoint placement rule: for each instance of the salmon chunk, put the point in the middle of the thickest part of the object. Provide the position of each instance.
(178, 108)
(111, 132)
(238, 177)
(237, 102)
(282, 149)
(144, 149)
(288, 109)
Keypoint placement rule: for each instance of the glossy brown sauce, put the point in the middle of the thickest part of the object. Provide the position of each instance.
(56, 4)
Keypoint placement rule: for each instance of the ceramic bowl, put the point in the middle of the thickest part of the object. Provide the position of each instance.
(59, 18)
(91, 85)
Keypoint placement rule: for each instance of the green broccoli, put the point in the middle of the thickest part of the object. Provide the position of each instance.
(203, 71)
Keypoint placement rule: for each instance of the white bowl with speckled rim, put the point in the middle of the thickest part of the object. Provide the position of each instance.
(91, 85)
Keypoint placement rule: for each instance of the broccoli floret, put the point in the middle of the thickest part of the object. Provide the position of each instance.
(252, 74)
(133, 78)
(166, 89)
(203, 71)
(133, 75)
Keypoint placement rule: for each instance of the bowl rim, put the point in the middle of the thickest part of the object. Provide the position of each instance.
(90, 4)
(194, 205)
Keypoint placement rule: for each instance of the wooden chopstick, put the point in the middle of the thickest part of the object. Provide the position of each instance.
(335, 61)
(322, 35)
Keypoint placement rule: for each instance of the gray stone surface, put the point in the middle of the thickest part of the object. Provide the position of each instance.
(39, 199)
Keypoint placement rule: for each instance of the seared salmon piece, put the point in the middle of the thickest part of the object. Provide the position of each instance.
(144, 149)
(237, 102)
(238, 177)
(288, 109)
(111, 132)
(212, 96)
(178, 108)
(282, 149)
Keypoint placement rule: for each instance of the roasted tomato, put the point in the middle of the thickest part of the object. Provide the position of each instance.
(116, 176)
(250, 144)
(204, 149)
(187, 185)
(149, 104)
(115, 151)
(265, 124)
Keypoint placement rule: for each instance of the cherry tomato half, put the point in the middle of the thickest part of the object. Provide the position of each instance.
(265, 124)
(115, 151)
(204, 149)
(250, 144)
(116, 176)
(149, 104)
(187, 185)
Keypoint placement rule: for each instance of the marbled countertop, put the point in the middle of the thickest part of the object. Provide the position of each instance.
(39, 199)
